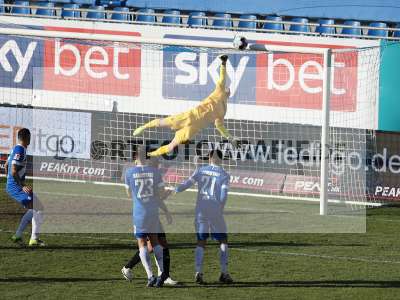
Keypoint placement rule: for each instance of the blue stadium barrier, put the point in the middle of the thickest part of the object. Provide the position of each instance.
(300, 27)
(248, 22)
(176, 19)
(378, 32)
(273, 26)
(352, 30)
(143, 17)
(21, 10)
(98, 14)
(226, 22)
(324, 29)
(70, 13)
(116, 14)
(193, 22)
(47, 10)
(2, 7)
(397, 33)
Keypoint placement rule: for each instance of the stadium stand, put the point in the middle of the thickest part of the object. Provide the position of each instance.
(145, 15)
(85, 2)
(325, 29)
(353, 29)
(222, 20)
(248, 22)
(69, 10)
(301, 27)
(397, 33)
(172, 17)
(121, 14)
(194, 21)
(47, 10)
(131, 11)
(96, 12)
(21, 8)
(273, 26)
(380, 31)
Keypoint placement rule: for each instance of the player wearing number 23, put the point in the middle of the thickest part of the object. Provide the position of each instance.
(144, 181)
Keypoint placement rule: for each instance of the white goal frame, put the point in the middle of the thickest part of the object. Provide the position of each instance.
(325, 52)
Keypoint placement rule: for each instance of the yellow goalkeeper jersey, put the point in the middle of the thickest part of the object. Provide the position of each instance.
(211, 109)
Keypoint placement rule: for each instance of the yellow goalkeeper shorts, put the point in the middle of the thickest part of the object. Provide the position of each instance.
(180, 121)
(185, 134)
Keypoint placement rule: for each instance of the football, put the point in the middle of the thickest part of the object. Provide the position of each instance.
(240, 42)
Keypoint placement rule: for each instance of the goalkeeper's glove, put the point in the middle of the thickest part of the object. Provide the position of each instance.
(223, 58)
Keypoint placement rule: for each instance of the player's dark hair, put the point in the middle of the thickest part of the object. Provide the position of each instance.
(215, 156)
(23, 134)
(141, 153)
(155, 162)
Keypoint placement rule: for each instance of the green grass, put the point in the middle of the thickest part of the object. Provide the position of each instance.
(264, 266)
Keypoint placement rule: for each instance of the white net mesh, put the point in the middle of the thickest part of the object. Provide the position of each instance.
(274, 111)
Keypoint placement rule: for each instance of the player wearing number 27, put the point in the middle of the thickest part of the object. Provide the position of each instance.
(189, 123)
(212, 182)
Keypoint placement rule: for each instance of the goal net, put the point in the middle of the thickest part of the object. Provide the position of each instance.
(84, 99)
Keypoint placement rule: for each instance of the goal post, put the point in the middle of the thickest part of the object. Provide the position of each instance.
(298, 148)
(223, 45)
(323, 198)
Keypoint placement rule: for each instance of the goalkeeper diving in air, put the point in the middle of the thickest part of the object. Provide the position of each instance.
(189, 123)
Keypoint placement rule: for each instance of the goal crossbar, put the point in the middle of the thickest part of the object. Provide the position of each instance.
(164, 41)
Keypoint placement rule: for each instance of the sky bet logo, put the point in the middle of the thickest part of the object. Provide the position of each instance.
(70, 66)
(92, 68)
(16, 60)
(192, 75)
(291, 80)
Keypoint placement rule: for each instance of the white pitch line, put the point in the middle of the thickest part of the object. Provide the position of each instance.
(321, 256)
(266, 196)
(280, 253)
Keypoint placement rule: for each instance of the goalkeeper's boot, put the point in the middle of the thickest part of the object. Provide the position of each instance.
(160, 151)
(151, 281)
(225, 278)
(198, 278)
(127, 273)
(139, 131)
(17, 239)
(34, 243)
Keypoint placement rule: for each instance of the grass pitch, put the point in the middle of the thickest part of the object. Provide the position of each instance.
(264, 266)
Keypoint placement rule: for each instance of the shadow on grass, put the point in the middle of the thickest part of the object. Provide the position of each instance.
(179, 245)
(25, 279)
(92, 247)
(299, 284)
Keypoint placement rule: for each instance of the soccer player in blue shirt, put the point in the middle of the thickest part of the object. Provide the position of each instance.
(213, 183)
(162, 240)
(22, 193)
(146, 187)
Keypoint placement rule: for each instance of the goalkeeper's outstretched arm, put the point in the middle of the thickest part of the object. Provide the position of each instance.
(222, 73)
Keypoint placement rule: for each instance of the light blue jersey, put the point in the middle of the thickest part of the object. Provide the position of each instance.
(213, 183)
(16, 157)
(144, 183)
